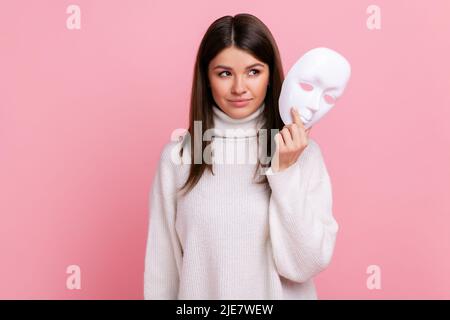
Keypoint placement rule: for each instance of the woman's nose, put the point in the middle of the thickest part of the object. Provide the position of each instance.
(238, 87)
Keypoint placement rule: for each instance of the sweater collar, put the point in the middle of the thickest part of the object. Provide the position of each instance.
(225, 126)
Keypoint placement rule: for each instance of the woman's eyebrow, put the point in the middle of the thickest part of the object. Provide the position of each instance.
(229, 68)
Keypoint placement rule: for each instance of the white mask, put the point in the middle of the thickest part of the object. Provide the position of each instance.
(313, 84)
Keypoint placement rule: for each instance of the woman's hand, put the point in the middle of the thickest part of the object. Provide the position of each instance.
(290, 143)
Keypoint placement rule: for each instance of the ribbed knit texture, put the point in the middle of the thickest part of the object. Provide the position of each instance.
(230, 238)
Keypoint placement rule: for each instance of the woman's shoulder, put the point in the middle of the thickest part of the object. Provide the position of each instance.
(314, 159)
(170, 152)
(313, 148)
(312, 156)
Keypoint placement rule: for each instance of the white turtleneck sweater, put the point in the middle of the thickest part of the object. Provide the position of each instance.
(230, 238)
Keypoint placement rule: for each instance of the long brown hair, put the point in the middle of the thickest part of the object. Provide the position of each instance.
(248, 33)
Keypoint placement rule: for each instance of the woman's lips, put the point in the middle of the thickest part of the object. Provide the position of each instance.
(240, 102)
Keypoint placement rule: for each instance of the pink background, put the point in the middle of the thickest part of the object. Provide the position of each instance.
(84, 115)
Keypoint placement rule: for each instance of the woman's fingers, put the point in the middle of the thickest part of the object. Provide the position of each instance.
(297, 120)
(287, 139)
(295, 134)
(302, 132)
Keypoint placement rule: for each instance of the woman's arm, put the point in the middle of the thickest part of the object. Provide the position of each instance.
(163, 252)
(302, 228)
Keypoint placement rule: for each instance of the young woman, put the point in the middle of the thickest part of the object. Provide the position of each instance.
(215, 232)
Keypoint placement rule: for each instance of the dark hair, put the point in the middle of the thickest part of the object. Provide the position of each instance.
(248, 33)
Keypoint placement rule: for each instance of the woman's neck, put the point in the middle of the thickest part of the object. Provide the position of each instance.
(227, 127)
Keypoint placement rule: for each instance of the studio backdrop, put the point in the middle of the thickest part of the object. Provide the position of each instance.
(91, 91)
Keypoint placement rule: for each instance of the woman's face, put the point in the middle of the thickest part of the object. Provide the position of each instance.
(236, 75)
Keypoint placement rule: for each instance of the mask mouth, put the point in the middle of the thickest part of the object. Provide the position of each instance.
(304, 119)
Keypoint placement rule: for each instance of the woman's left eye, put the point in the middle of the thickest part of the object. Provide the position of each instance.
(257, 71)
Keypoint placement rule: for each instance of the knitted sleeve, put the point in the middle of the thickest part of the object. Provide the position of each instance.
(302, 227)
(163, 252)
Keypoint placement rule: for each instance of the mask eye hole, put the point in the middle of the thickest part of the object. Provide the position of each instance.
(306, 86)
(329, 99)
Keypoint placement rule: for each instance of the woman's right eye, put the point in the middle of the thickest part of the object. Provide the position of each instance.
(220, 74)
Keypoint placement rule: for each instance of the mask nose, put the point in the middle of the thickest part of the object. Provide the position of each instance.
(313, 108)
